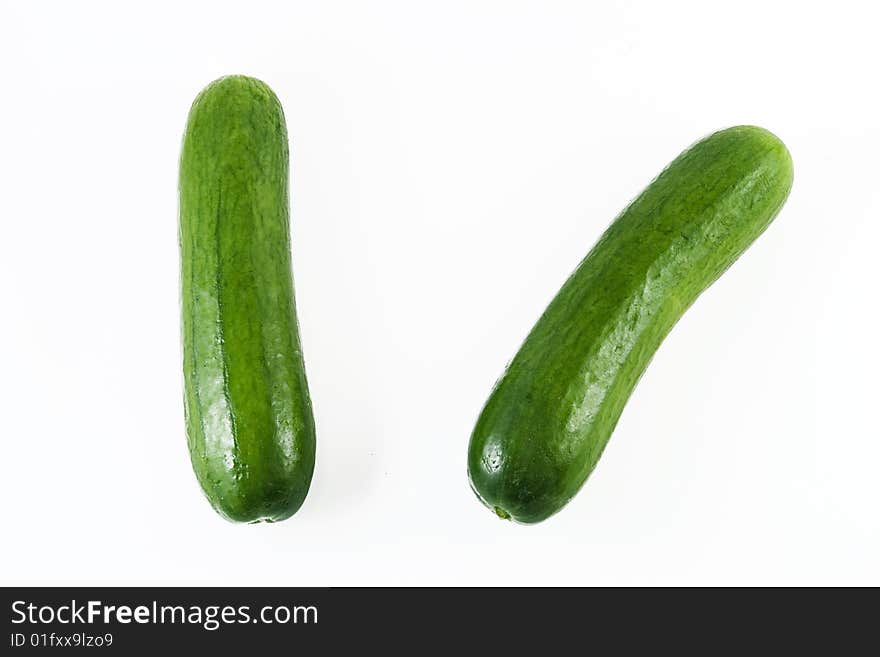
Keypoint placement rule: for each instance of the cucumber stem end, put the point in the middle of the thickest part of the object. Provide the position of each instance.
(501, 513)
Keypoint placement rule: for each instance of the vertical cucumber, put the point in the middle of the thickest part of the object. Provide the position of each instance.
(551, 413)
(249, 419)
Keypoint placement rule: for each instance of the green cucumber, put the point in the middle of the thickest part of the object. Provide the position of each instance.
(249, 419)
(552, 412)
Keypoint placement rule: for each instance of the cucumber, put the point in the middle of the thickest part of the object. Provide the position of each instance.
(552, 412)
(249, 421)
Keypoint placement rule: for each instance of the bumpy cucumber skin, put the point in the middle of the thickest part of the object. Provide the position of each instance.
(552, 412)
(249, 418)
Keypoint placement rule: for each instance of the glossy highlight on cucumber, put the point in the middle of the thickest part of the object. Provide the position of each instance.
(249, 422)
(550, 415)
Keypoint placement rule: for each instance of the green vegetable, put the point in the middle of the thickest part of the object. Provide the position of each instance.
(551, 413)
(249, 418)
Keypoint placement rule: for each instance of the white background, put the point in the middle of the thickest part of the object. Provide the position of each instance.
(452, 163)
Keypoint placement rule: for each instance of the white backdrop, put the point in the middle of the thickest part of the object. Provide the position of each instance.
(452, 163)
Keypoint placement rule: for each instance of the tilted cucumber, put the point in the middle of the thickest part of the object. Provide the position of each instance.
(551, 413)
